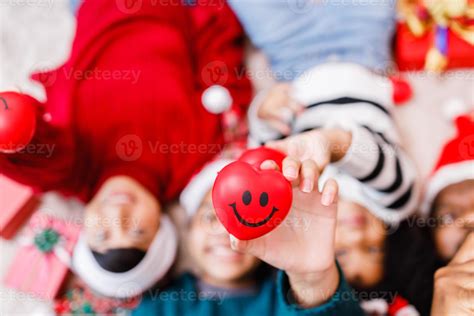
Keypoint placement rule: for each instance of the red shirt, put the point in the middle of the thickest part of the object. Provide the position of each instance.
(128, 100)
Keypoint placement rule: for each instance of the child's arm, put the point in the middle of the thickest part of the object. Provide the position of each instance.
(384, 169)
(219, 49)
(276, 107)
(46, 162)
(303, 245)
(382, 166)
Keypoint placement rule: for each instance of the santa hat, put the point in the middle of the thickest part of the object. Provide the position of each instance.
(398, 307)
(455, 164)
(200, 184)
(152, 268)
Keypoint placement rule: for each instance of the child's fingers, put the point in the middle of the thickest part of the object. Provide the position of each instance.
(280, 145)
(291, 168)
(293, 146)
(282, 127)
(254, 247)
(329, 193)
(269, 165)
(309, 175)
(237, 244)
(295, 106)
(281, 113)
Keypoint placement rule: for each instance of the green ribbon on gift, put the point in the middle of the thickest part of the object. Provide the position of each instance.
(46, 240)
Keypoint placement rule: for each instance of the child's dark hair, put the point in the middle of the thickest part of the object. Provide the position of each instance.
(409, 266)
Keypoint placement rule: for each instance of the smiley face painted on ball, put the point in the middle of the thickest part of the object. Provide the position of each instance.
(250, 202)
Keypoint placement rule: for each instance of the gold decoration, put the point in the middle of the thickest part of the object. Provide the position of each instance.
(453, 14)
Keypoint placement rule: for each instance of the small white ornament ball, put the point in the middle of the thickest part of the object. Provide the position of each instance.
(454, 108)
(216, 99)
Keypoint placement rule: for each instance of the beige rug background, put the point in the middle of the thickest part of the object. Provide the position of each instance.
(36, 35)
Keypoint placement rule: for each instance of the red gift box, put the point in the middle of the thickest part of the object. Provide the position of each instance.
(42, 263)
(17, 203)
(411, 51)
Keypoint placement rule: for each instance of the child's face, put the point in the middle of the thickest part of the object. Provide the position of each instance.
(122, 214)
(210, 247)
(454, 207)
(360, 238)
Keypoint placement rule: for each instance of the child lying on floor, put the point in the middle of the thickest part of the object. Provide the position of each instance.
(449, 195)
(229, 278)
(389, 264)
(121, 115)
(448, 207)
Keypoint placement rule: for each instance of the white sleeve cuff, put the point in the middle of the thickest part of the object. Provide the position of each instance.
(363, 154)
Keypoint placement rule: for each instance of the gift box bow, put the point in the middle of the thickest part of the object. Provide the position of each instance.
(438, 16)
(45, 256)
(50, 237)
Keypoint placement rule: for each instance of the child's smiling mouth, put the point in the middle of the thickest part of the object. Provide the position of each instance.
(252, 224)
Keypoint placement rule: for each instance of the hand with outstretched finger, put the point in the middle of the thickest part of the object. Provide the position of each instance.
(454, 284)
(323, 146)
(304, 252)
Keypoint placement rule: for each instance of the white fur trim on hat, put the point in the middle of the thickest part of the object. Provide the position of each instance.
(152, 268)
(408, 310)
(200, 184)
(216, 99)
(445, 176)
(376, 306)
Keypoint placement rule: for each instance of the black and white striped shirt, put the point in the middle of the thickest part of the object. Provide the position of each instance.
(374, 159)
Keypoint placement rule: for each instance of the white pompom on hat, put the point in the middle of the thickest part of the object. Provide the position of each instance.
(216, 99)
(200, 184)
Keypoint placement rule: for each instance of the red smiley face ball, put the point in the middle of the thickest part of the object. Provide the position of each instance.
(17, 121)
(250, 202)
(256, 156)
